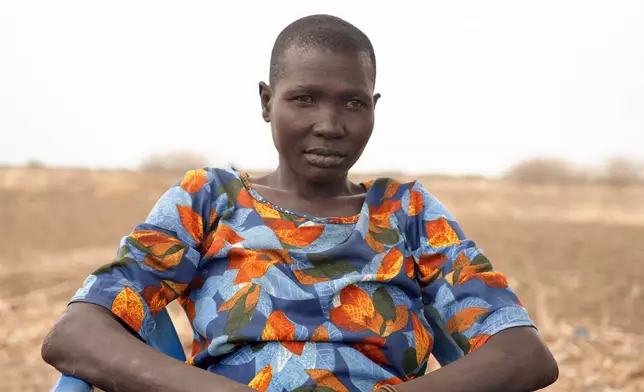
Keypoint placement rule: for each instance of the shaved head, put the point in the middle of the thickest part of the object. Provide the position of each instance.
(322, 32)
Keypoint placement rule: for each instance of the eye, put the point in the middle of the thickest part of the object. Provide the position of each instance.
(306, 99)
(355, 103)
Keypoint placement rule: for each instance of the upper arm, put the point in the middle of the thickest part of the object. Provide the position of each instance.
(466, 300)
(158, 259)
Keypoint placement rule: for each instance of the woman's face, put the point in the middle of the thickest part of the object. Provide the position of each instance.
(321, 112)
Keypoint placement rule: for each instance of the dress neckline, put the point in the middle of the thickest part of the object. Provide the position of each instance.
(248, 185)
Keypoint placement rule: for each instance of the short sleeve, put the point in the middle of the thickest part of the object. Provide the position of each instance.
(466, 300)
(157, 261)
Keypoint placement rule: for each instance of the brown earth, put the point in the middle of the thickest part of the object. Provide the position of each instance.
(574, 254)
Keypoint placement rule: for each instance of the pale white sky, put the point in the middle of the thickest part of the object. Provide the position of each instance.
(468, 86)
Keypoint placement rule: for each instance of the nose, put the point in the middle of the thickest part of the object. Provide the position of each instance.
(328, 124)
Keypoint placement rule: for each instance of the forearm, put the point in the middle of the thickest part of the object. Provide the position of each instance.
(514, 360)
(88, 343)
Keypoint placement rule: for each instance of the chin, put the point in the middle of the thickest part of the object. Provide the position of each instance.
(321, 175)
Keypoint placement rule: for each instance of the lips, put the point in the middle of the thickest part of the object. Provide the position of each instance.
(327, 152)
(324, 157)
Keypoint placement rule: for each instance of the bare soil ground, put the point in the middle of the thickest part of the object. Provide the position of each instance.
(574, 254)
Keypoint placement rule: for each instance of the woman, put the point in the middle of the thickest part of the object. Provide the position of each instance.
(302, 280)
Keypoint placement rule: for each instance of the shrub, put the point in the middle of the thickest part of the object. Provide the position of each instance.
(545, 171)
(622, 171)
(174, 161)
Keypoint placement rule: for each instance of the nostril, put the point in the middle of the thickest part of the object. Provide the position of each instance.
(328, 130)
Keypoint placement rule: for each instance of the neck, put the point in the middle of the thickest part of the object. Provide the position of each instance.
(286, 179)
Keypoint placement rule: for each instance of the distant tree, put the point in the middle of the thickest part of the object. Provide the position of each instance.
(545, 171)
(622, 171)
(174, 161)
(34, 164)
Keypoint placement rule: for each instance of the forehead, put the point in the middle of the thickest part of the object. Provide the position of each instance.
(325, 68)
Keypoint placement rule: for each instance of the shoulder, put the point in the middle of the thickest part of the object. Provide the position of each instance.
(412, 197)
(212, 183)
(198, 188)
(192, 203)
(383, 189)
(194, 181)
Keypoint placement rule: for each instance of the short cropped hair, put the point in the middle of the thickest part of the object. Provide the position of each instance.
(321, 32)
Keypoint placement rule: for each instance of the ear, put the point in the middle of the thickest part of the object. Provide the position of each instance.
(265, 96)
(376, 97)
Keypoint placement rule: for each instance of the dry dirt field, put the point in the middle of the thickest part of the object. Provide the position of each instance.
(574, 254)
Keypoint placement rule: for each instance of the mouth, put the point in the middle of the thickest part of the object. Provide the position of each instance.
(326, 152)
(324, 157)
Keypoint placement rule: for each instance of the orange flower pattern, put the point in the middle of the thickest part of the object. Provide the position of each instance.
(281, 300)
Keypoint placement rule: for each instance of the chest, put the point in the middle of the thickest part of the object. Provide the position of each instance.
(300, 258)
(346, 206)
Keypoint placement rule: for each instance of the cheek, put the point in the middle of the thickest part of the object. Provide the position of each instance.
(290, 123)
(287, 130)
(360, 126)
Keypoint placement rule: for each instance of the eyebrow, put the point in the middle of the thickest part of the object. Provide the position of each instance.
(352, 92)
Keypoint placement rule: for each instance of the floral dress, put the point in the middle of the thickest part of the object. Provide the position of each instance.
(282, 301)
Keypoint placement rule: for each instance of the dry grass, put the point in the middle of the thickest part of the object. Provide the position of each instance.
(573, 253)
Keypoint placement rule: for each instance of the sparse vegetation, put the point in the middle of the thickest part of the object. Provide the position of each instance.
(179, 161)
(545, 171)
(620, 171)
(35, 164)
(617, 171)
